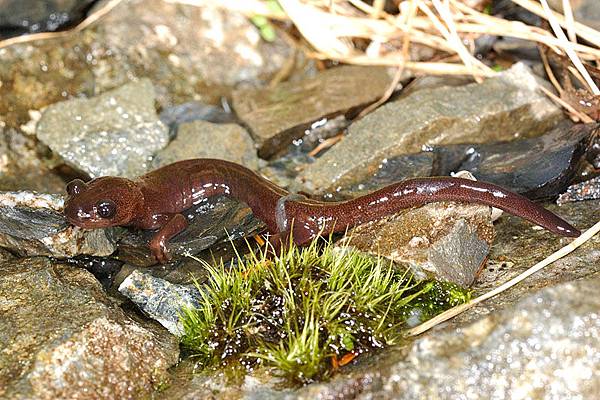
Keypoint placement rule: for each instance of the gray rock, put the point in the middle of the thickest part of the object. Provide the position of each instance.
(202, 139)
(32, 224)
(114, 133)
(444, 241)
(189, 53)
(61, 337)
(23, 165)
(160, 299)
(501, 108)
(280, 114)
(588, 190)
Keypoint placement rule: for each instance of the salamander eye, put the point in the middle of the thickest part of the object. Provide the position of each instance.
(106, 209)
(75, 187)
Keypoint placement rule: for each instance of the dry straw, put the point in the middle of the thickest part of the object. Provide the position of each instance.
(446, 27)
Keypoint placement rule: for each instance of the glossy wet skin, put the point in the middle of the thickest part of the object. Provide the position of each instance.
(156, 200)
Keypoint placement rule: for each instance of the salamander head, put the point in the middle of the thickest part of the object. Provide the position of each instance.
(102, 202)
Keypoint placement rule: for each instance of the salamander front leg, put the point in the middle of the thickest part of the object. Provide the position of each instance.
(171, 226)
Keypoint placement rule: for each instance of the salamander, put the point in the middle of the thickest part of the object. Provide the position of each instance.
(156, 200)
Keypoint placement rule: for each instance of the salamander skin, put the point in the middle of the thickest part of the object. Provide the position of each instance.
(156, 200)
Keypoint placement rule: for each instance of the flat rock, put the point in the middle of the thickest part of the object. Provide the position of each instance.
(444, 241)
(280, 114)
(160, 299)
(202, 139)
(189, 53)
(114, 133)
(505, 107)
(32, 224)
(61, 337)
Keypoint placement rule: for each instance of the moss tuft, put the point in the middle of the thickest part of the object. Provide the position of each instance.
(303, 311)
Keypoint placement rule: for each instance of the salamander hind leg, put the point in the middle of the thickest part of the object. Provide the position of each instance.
(291, 223)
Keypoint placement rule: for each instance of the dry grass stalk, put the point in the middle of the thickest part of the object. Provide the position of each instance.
(446, 27)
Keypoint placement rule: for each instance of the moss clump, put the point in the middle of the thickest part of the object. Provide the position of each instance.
(302, 311)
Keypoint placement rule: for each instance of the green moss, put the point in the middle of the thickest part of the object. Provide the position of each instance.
(299, 311)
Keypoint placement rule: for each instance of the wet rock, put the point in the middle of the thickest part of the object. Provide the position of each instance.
(114, 133)
(501, 108)
(160, 299)
(444, 241)
(391, 170)
(278, 115)
(32, 224)
(218, 219)
(61, 337)
(23, 164)
(194, 111)
(202, 139)
(283, 170)
(548, 335)
(588, 190)
(538, 168)
(189, 53)
(30, 16)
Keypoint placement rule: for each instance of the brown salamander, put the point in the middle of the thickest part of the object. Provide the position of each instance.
(156, 200)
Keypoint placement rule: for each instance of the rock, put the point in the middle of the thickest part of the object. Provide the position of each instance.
(540, 167)
(392, 170)
(61, 337)
(160, 299)
(189, 53)
(444, 241)
(32, 224)
(527, 351)
(586, 12)
(588, 190)
(114, 133)
(174, 116)
(501, 108)
(218, 219)
(30, 16)
(23, 164)
(201, 139)
(278, 115)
